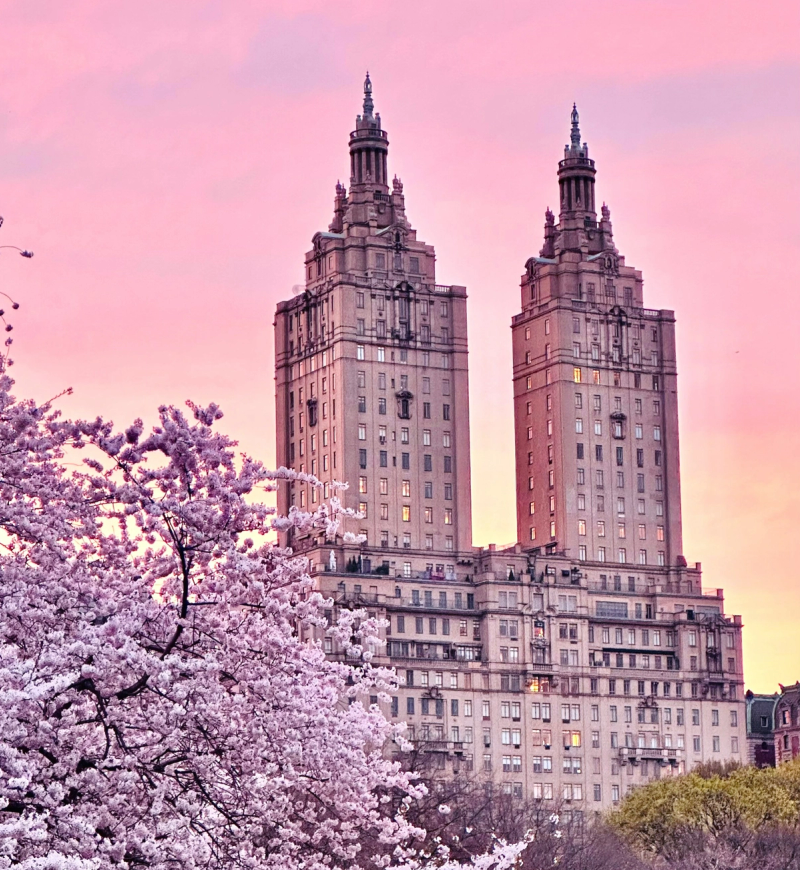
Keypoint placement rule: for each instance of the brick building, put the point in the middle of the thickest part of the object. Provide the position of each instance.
(787, 724)
(564, 668)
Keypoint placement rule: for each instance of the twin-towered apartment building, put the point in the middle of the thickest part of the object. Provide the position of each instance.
(587, 658)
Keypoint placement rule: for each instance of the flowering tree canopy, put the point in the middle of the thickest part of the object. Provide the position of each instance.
(163, 700)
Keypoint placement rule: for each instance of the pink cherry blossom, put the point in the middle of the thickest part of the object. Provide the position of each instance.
(164, 697)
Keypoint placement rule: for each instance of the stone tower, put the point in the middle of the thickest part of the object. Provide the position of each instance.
(371, 373)
(595, 392)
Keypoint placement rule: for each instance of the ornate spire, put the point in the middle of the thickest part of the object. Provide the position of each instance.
(575, 134)
(368, 104)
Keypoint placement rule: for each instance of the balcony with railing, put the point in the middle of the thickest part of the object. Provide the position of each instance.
(453, 652)
(452, 604)
(636, 754)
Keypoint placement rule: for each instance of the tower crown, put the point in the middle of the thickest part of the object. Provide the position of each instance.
(576, 174)
(369, 147)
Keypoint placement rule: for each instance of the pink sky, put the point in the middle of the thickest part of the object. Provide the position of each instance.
(169, 163)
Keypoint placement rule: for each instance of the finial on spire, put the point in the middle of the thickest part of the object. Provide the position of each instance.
(368, 104)
(575, 134)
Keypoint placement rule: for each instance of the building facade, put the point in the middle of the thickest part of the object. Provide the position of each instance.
(371, 372)
(554, 669)
(761, 728)
(787, 724)
(595, 392)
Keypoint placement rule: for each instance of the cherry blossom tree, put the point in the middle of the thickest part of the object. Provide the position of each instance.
(164, 698)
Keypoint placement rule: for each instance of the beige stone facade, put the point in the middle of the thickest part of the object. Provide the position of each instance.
(371, 373)
(555, 673)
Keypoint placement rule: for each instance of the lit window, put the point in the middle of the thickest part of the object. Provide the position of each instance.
(576, 374)
(362, 484)
(659, 533)
(406, 513)
(406, 489)
(582, 527)
(448, 516)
